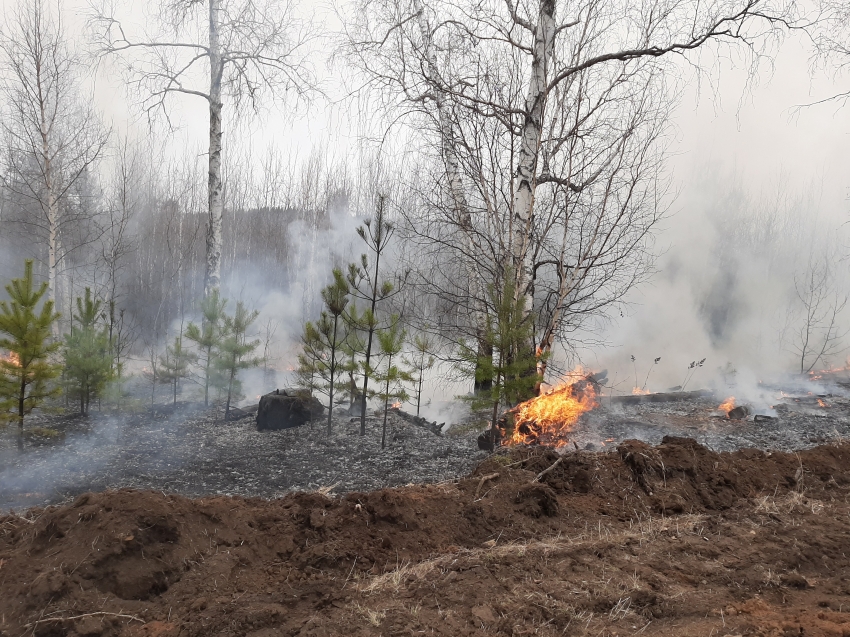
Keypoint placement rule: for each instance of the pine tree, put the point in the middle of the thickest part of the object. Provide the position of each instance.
(353, 346)
(418, 363)
(367, 286)
(512, 368)
(88, 360)
(174, 365)
(208, 336)
(322, 356)
(234, 351)
(26, 374)
(390, 377)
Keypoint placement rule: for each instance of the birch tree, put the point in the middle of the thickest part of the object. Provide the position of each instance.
(548, 123)
(54, 137)
(215, 51)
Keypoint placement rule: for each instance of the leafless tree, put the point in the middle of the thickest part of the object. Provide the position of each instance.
(54, 137)
(818, 334)
(211, 50)
(548, 124)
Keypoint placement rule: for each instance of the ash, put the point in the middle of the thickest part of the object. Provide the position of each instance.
(192, 452)
(796, 422)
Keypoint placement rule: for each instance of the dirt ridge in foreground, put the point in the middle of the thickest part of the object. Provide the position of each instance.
(668, 540)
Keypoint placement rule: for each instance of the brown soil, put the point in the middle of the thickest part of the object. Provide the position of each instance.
(666, 540)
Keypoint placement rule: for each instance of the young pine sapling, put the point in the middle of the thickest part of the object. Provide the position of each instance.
(88, 359)
(366, 285)
(207, 336)
(390, 377)
(26, 374)
(234, 351)
(174, 365)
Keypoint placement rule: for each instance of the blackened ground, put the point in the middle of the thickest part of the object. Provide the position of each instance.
(195, 453)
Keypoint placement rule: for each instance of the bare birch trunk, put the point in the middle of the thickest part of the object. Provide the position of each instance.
(448, 145)
(525, 181)
(212, 280)
(525, 178)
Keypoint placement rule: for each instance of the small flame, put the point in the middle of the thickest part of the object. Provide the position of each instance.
(13, 359)
(396, 406)
(821, 403)
(639, 391)
(728, 404)
(548, 418)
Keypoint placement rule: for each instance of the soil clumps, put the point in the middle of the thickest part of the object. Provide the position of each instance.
(673, 539)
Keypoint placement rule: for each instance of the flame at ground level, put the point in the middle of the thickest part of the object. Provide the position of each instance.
(728, 404)
(639, 391)
(548, 418)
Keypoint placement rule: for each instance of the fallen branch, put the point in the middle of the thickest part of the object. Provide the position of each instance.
(545, 471)
(99, 613)
(481, 482)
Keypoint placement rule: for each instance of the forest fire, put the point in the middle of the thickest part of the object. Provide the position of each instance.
(547, 419)
(11, 358)
(727, 405)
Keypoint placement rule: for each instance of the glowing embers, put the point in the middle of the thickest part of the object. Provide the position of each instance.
(547, 419)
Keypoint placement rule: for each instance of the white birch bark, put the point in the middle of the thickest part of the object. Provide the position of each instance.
(448, 144)
(212, 280)
(525, 183)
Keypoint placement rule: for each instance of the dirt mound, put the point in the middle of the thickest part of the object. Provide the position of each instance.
(673, 539)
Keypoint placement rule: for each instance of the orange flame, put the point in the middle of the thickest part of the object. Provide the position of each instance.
(548, 418)
(821, 403)
(728, 404)
(637, 391)
(396, 406)
(12, 359)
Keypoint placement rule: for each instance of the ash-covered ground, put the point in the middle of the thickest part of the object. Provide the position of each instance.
(193, 452)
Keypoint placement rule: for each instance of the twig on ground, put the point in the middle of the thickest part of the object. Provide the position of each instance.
(96, 614)
(491, 476)
(545, 471)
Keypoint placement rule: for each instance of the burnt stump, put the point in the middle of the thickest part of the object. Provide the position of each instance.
(287, 408)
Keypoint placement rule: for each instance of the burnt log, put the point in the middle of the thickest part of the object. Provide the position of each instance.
(287, 408)
(739, 413)
(490, 439)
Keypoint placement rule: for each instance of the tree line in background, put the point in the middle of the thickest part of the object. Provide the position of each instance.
(533, 180)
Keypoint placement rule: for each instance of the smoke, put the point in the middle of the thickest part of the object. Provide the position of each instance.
(736, 288)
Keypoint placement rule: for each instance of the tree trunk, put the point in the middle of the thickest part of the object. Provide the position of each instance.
(333, 370)
(366, 369)
(207, 378)
(229, 391)
(216, 203)
(448, 146)
(525, 180)
(21, 399)
(386, 404)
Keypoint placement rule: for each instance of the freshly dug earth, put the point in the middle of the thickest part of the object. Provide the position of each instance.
(667, 540)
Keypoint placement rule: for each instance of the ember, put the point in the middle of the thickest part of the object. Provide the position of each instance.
(548, 418)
